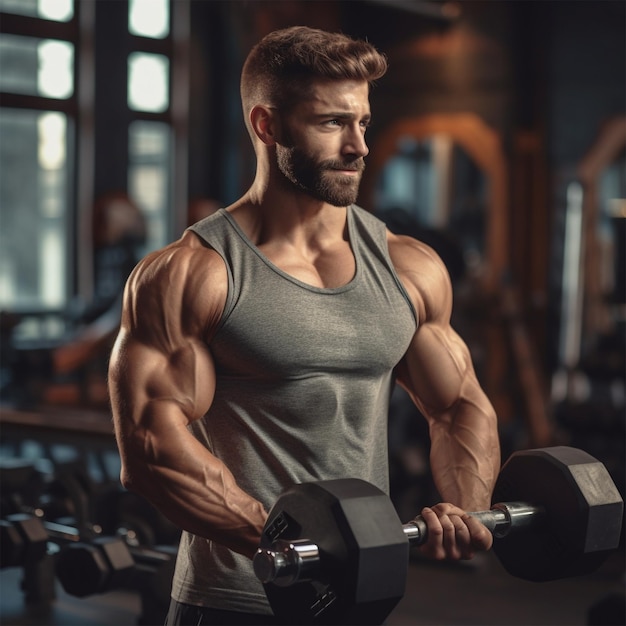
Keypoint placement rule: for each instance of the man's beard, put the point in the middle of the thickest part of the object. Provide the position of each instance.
(316, 178)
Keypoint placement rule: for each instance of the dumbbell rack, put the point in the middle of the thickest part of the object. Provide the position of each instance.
(62, 467)
(84, 565)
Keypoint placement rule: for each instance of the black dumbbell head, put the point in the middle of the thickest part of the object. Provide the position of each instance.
(363, 553)
(84, 569)
(583, 518)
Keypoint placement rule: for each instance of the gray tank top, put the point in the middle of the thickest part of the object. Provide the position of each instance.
(304, 376)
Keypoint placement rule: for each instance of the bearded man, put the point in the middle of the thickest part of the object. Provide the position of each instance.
(260, 349)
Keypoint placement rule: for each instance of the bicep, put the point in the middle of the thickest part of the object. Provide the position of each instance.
(141, 373)
(154, 396)
(161, 362)
(437, 369)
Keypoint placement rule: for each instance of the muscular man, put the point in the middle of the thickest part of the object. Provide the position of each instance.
(260, 349)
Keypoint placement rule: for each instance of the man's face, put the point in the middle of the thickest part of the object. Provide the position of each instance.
(322, 142)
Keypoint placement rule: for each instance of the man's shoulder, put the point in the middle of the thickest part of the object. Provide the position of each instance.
(185, 276)
(180, 265)
(405, 250)
(421, 271)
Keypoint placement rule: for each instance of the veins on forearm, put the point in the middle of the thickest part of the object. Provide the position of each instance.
(465, 456)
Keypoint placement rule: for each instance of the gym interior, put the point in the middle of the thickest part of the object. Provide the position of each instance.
(499, 138)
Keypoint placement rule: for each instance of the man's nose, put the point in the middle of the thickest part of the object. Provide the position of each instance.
(355, 142)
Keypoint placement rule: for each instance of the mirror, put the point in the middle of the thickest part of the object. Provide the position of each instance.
(437, 148)
(433, 185)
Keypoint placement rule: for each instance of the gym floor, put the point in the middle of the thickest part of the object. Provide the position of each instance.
(476, 593)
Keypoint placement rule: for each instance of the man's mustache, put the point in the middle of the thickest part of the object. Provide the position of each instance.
(354, 166)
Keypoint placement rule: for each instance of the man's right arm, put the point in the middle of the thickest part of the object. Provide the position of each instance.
(161, 378)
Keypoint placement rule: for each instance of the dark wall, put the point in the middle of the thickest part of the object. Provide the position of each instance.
(517, 64)
(440, 65)
(111, 109)
(586, 74)
(211, 101)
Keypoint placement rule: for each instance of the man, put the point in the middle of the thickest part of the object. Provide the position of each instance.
(260, 349)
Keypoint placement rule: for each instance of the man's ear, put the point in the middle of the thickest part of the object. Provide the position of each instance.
(264, 124)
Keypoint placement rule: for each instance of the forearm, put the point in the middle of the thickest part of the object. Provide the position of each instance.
(465, 455)
(163, 462)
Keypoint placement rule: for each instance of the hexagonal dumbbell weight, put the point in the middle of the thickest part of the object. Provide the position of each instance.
(87, 568)
(23, 539)
(94, 564)
(107, 563)
(84, 564)
(357, 570)
(328, 556)
(582, 520)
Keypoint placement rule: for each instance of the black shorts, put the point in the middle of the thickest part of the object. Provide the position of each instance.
(180, 614)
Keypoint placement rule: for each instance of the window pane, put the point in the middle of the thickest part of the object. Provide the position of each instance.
(148, 81)
(33, 209)
(149, 18)
(37, 67)
(57, 10)
(149, 177)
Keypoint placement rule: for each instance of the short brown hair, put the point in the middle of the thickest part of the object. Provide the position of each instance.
(281, 67)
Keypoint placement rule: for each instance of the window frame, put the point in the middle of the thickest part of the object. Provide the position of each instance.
(80, 108)
(42, 28)
(176, 47)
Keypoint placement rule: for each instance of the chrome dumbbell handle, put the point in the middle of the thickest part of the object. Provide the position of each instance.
(294, 561)
(501, 519)
(288, 562)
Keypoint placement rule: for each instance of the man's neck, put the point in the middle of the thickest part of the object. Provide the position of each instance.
(265, 213)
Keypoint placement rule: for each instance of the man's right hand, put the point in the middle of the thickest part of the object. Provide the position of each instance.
(453, 533)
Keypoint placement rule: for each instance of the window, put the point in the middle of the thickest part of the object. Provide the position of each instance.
(36, 158)
(57, 10)
(150, 165)
(148, 82)
(149, 176)
(38, 67)
(45, 255)
(149, 18)
(33, 209)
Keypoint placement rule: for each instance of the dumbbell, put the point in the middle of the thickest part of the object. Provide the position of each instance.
(108, 563)
(23, 539)
(335, 551)
(85, 565)
(56, 489)
(22, 483)
(26, 538)
(24, 542)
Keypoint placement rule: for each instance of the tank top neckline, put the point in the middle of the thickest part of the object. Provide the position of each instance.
(322, 290)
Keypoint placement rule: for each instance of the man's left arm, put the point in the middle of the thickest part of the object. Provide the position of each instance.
(438, 374)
